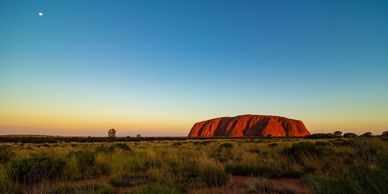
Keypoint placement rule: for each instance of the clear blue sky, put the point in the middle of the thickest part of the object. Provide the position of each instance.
(156, 67)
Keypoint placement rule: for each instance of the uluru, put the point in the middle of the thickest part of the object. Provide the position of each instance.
(250, 125)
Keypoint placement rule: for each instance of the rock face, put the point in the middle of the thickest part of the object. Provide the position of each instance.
(249, 125)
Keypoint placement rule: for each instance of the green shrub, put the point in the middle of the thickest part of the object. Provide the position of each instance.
(89, 188)
(36, 169)
(263, 170)
(226, 146)
(322, 143)
(106, 148)
(155, 188)
(322, 185)
(6, 185)
(204, 142)
(343, 142)
(224, 152)
(9, 188)
(82, 164)
(367, 134)
(85, 158)
(255, 151)
(122, 146)
(195, 143)
(304, 148)
(109, 148)
(321, 136)
(272, 145)
(45, 145)
(350, 135)
(5, 156)
(176, 144)
(211, 176)
(359, 179)
(366, 150)
(246, 169)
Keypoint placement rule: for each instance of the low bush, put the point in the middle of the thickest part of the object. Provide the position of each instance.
(5, 155)
(82, 164)
(343, 142)
(204, 142)
(367, 134)
(322, 143)
(357, 180)
(122, 146)
(36, 169)
(366, 150)
(176, 144)
(272, 145)
(6, 185)
(304, 148)
(10, 188)
(321, 135)
(226, 146)
(85, 158)
(224, 152)
(212, 175)
(323, 185)
(247, 169)
(350, 135)
(262, 170)
(106, 148)
(89, 188)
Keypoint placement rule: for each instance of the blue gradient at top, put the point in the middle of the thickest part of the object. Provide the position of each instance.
(312, 60)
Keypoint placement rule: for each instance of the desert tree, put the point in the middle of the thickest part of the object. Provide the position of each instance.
(367, 134)
(350, 135)
(337, 134)
(112, 133)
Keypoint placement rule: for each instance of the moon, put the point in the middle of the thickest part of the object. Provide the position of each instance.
(40, 14)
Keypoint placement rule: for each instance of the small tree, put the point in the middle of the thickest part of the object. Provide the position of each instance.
(385, 134)
(350, 135)
(337, 134)
(367, 134)
(112, 133)
(138, 136)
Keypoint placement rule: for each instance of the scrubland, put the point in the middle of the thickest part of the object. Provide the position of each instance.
(257, 165)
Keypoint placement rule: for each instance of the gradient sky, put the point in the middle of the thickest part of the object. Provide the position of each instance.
(157, 67)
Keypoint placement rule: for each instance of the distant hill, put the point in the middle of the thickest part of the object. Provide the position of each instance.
(37, 136)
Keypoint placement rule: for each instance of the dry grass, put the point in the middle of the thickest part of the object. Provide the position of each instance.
(195, 166)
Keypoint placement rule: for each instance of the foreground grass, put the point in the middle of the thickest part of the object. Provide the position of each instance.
(337, 165)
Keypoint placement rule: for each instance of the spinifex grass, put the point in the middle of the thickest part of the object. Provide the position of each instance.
(358, 164)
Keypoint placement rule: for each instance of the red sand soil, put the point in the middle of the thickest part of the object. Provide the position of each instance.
(240, 184)
(237, 184)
